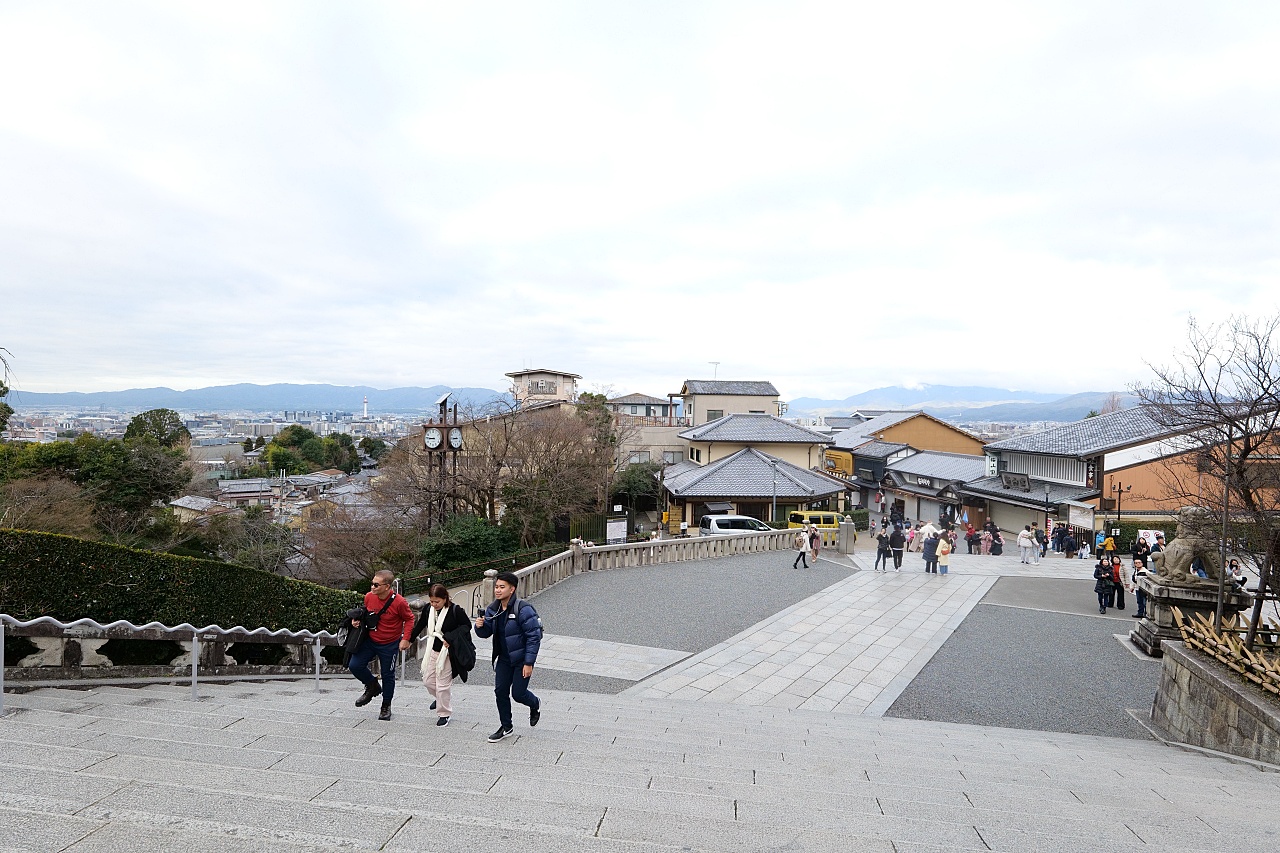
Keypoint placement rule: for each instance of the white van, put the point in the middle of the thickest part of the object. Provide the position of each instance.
(712, 525)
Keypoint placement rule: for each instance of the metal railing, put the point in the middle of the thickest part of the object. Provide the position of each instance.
(47, 626)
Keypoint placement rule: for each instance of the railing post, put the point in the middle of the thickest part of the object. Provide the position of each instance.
(317, 651)
(195, 665)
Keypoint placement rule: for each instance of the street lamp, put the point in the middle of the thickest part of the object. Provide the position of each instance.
(773, 516)
(1047, 489)
(1119, 489)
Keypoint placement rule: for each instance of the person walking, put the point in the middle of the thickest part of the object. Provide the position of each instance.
(985, 546)
(1025, 543)
(517, 637)
(897, 544)
(1102, 584)
(883, 551)
(997, 544)
(930, 553)
(972, 539)
(801, 543)
(389, 625)
(1141, 549)
(944, 554)
(1042, 542)
(1069, 544)
(446, 631)
(815, 543)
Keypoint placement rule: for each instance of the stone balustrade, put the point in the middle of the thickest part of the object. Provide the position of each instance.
(582, 558)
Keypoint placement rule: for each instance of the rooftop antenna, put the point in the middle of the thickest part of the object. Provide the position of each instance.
(715, 368)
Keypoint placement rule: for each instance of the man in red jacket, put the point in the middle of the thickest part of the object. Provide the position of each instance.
(390, 637)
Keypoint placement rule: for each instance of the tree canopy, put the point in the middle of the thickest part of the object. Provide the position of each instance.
(163, 426)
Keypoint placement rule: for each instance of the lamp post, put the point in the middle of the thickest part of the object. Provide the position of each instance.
(1047, 489)
(1119, 489)
(773, 515)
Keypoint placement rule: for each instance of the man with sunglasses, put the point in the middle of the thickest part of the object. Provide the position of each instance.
(390, 626)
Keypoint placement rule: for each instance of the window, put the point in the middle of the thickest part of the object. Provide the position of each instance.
(638, 457)
(670, 457)
(695, 454)
(756, 412)
(635, 410)
(715, 414)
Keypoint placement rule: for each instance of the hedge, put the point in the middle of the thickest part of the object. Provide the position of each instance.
(45, 574)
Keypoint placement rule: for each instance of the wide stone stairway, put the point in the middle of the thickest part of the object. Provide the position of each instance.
(277, 766)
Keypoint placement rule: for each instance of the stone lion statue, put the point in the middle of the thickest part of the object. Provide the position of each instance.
(1173, 564)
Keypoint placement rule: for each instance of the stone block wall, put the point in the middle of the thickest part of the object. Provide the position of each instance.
(1200, 703)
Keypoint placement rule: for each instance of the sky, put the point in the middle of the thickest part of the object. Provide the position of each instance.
(831, 196)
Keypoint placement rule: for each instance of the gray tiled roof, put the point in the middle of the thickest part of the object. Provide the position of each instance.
(749, 474)
(839, 423)
(993, 487)
(638, 400)
(942, 466)
(879, 449)
(759, 429)
(729, 387)
(856, 435)
(1090, 436)
(197, 503)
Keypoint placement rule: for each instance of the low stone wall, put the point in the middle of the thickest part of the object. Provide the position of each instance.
(1200, 703)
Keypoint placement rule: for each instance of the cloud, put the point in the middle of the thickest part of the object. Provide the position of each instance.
(836, 196)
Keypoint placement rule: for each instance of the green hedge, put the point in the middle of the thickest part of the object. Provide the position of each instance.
(861, 518)
(44, 574)
(1129, 533)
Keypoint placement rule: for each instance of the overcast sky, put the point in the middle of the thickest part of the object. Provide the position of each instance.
(833, 196)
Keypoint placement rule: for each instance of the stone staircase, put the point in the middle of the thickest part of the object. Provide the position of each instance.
(276, 766)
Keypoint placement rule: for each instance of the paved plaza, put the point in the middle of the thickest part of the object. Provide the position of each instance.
(724, 705)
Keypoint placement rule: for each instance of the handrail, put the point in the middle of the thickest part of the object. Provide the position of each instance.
(123, 626)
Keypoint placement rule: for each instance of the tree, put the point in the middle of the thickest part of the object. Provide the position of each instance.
(248, 445)
(254, 540)
(48, 503)
(1221, 399)
(1113, 403)
(5, 410)
(374, 448)
(163, 426)
(637, 481)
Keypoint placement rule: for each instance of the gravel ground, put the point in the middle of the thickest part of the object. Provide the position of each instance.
(1018, 667)
(669, 606)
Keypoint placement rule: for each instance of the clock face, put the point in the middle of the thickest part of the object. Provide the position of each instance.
(455, 438)
(432, 438)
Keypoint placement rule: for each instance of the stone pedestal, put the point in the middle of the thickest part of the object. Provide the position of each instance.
(1162, 598)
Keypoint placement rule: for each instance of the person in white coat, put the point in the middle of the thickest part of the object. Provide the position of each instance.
(1026, 541)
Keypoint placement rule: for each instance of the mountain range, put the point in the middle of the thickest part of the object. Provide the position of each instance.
(949, 402)
(246, 397)
(965, 403)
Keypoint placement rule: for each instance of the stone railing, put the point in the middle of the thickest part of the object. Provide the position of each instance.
(581, 558)
(78, 651)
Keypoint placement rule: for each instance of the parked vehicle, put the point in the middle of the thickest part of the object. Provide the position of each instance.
(713, 525)
(824, 519)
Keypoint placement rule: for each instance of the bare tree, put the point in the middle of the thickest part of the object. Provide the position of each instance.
(1221, 397)
(48, 503)
(1112, 403)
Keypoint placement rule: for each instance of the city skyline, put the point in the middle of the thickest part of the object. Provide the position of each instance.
(836, 198)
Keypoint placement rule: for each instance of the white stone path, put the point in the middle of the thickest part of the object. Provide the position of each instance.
(852, 648)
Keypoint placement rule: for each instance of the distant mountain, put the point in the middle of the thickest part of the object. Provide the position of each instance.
(964, 403)
(257, 398)
(921, 397)
(1065, 409)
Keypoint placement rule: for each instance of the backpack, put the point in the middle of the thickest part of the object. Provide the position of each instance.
(1039, 536)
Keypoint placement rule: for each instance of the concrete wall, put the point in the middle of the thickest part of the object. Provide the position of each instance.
(1200, 703)
(806, 456)
(729, 404)
(924, 433)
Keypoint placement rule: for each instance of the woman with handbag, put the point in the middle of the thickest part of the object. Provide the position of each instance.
(446, 629)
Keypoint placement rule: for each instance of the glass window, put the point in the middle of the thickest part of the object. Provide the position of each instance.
(639, 456)
(796, 518)
(828, 519)
(714, 414)
(671, 457)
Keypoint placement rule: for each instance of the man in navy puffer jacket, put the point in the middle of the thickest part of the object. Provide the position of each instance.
(517, 636)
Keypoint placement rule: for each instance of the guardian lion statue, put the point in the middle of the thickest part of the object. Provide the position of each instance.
(1173, 565)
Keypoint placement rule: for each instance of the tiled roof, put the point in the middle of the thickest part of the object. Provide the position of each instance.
(750, 474)
(993, 487)
(1090, 436)
(759, 429)
(839, 423)
(639, 400)
(541, 370)
(879, 449)
(942, 466)
(729, 387)
(250, 486)
(856, 435)
(198, 504)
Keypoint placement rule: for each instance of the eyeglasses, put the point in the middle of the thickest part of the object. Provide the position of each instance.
(379, 583)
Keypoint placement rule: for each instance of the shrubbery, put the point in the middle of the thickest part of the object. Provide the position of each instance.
(44, 574)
